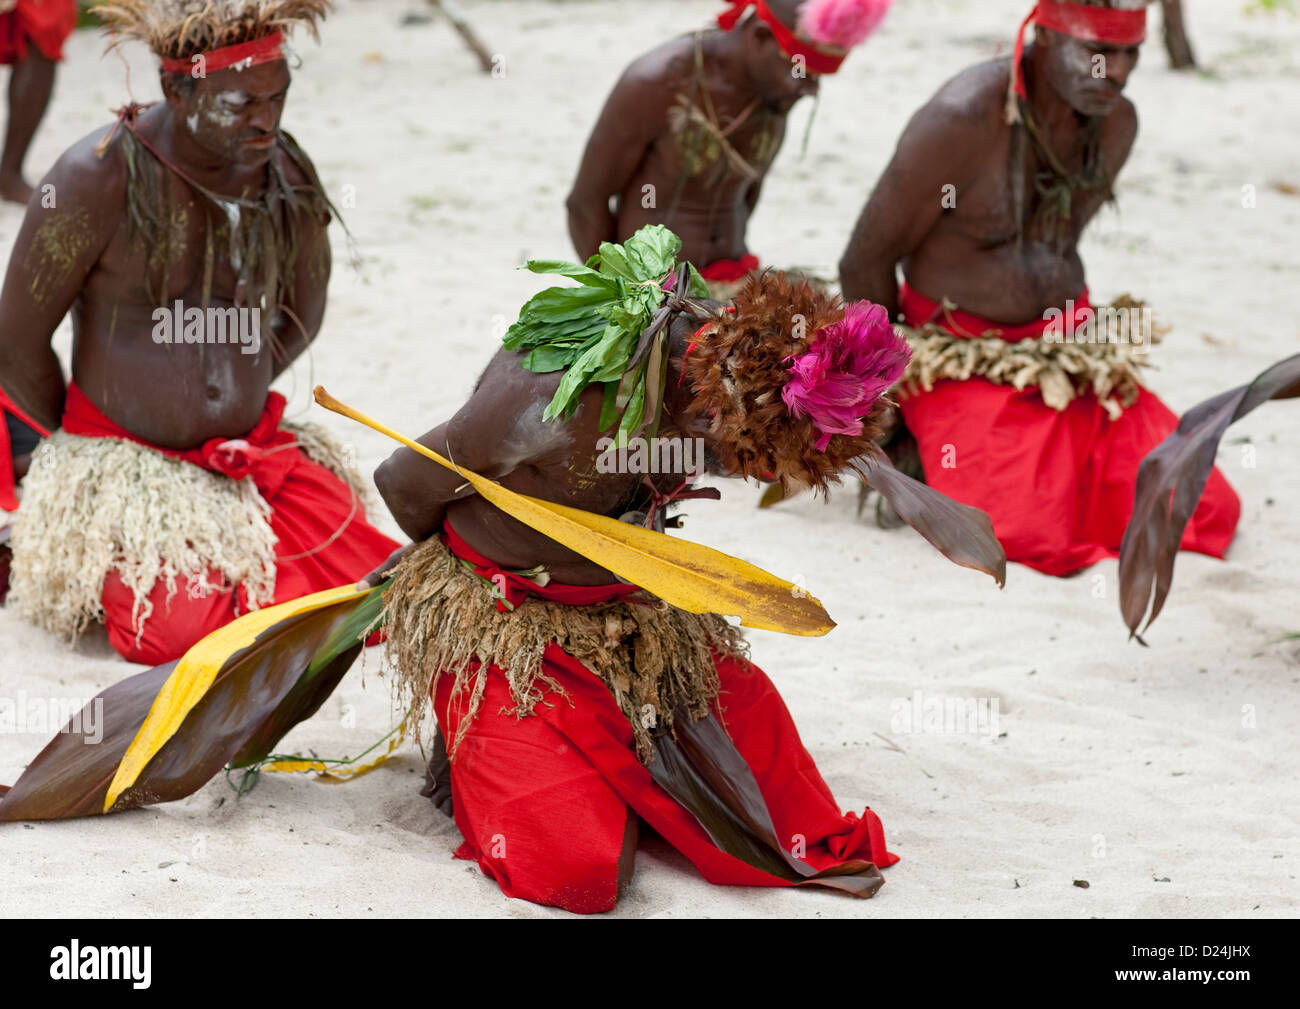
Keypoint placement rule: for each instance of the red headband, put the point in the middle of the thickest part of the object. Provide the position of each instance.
(818, 60)
(1092, 24)
(245, 54)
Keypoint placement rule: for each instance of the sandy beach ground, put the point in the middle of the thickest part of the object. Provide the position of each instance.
(1166, 777)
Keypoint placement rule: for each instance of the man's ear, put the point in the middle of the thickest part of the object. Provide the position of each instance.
(758, 38)
(177, 89)
(761, 34)
(168, 83)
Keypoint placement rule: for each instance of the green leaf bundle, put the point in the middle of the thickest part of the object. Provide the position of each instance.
(595, 331)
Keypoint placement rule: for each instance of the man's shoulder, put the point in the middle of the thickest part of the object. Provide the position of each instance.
(94, 168)
(661, 65)
(974, 98)
(98, 155)
(296, 164)
(1122, 124)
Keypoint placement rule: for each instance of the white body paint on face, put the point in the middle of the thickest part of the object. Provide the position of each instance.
(1078, 59)
(218, 110)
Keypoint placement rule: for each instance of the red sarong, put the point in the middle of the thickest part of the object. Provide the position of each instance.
(1058, 485)
(8, 493)
(318, 546)
(728, 271)
(45, 23)
(543, 801)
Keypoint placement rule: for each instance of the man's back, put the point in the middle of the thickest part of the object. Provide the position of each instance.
(713, 147)
(685, 139)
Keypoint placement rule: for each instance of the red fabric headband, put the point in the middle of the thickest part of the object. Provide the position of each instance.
(245, 54)
(1093, 24)
(818, 60)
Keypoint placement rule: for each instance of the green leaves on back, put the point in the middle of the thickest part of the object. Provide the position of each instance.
(592, 330)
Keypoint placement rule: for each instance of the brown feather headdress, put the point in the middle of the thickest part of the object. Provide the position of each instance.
(178, 29)
(792, 384)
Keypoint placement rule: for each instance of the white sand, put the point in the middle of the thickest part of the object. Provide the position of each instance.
(1127, 767)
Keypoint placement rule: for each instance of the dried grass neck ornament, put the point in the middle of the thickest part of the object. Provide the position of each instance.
(825, 30)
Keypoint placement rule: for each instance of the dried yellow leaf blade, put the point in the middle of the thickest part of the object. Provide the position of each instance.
(194, 675)
(689, 575)
(332, 768)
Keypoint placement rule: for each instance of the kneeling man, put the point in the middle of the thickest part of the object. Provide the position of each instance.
(188, 240)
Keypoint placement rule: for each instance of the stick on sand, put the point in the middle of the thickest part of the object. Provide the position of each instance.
(456, 16)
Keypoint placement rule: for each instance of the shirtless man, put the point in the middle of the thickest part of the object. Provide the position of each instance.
(540, 756)
(982, 206)
(32, 33)
(200, 204)
(688, 134)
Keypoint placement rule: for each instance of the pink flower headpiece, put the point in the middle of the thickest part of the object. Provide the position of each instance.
(840, 24)
(846, 368)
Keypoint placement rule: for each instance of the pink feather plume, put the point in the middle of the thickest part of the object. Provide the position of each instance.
(846, 368)
(840, 23)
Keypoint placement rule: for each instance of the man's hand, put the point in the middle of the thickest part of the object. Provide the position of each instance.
(380, 573)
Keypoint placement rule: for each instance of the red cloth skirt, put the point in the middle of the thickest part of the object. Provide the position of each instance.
(8, 494)
(45, 23)
(322, 537)
(543, 801)
(1059, 485)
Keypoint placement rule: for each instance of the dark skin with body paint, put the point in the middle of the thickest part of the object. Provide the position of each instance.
(631, 145)
(499, 434)
(968, 253)
(77, 257)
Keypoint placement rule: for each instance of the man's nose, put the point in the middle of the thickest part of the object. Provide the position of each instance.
(263, 116)
(1119, 66)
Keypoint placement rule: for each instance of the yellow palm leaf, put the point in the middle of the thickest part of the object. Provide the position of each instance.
(688, 575)
(195, 673)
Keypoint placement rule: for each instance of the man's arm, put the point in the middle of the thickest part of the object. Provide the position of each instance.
(498, 430)
(633, 116)
(907, 202)
(301, 324)
(56, 248)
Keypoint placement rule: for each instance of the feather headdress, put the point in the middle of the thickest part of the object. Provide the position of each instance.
(841, 24)
(179, 29)
(825, 30)
(792, 384)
